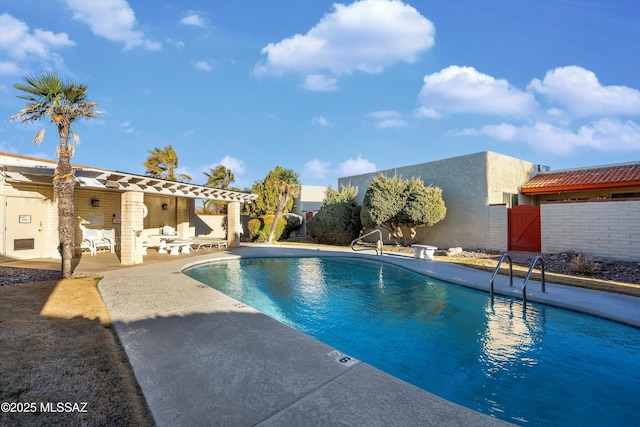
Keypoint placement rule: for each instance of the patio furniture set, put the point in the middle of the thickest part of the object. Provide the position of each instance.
(95, 240)
(170, 242)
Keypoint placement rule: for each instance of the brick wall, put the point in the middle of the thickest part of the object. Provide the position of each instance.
(607, 229)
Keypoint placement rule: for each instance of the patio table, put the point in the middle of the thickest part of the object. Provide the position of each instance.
(163, 241)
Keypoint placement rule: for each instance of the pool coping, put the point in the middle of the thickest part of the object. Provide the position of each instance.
(203, 358)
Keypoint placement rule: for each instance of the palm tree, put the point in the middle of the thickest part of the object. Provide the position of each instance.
(63, 103)
(289, 187)
(163, 163)
(218, 177)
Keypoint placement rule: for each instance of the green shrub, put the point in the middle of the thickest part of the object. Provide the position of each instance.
(260, 227)
(338, 221)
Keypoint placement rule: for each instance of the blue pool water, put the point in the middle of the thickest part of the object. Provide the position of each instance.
(545, 366)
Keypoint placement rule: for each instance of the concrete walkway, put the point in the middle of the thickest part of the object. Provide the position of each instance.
(202, 358)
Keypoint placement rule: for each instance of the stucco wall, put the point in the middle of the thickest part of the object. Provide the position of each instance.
(469, 184)
(607, 229)
(211, 226)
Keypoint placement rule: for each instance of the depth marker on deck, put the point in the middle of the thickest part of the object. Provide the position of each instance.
(342, 358)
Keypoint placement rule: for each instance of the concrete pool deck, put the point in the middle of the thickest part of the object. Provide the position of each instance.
(202, 358)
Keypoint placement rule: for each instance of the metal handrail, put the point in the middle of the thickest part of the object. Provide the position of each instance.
(378, 243)
(526, 279)
(495, 272)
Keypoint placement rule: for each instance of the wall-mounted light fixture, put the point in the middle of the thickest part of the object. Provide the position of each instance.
(165, 207)
(95, 203)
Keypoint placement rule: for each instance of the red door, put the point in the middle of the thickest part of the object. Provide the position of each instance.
(524, 228)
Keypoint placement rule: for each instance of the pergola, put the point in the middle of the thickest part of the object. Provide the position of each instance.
(132, 189)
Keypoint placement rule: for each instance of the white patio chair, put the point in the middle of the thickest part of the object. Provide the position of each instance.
(94, 236)
(110, 235)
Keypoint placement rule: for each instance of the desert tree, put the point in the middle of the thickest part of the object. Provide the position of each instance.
(288, 184)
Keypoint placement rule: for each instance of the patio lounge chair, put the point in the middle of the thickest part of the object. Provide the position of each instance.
(96, 239)
(198, 243)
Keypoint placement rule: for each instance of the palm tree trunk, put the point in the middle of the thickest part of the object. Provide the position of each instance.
(281, 204)
(64, 185)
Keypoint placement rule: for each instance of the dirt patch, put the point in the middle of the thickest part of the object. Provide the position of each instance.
(58, 347)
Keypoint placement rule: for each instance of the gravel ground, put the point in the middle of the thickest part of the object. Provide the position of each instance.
(12, 275)
(563, 263)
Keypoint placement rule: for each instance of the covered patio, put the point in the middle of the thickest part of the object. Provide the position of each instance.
(137, 208)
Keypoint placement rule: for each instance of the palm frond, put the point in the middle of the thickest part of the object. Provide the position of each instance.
(39, 138)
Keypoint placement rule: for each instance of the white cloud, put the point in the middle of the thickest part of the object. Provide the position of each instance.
(19, 43)
(175, 43)
(315, 169)
(356, 167)
(193, 18)
(391, 123)
(580, 92)
(188, 133)
(600, 135)
(112, 19)
(503, 132)
(426, 112)
(10, 69)
(321, 121)
(387, 119)
(202, 66)
(366, 36)
(320, 83)
(23, 47)
(128, 128)
(234, 165)
(465, 90)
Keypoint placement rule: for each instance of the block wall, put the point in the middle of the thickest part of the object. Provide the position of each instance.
(607, 229)
(105, 216)
(498, 228)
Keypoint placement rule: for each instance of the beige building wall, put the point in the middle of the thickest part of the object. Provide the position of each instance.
(310, 200)
(49, 233)
(211, 226)
(607, 229)
(469, 185)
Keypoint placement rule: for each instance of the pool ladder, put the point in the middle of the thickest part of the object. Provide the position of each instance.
(378, 244)
(534, 261)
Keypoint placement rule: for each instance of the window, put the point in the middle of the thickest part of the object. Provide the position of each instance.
(510, 199)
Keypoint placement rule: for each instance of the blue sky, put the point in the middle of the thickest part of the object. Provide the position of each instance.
(332, 89)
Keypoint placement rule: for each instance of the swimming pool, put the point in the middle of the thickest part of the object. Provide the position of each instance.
(546, 366)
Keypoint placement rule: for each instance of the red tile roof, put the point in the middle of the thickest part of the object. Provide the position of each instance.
(617, 176)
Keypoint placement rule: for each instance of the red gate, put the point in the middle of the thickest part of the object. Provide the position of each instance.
(524, 228)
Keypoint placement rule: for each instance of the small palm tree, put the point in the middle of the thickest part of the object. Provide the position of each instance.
(289, 187)
(163, 163)
(63, 104)
(218, 177)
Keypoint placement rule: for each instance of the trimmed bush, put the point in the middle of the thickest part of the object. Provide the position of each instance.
(260, 227)
(338, 221)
